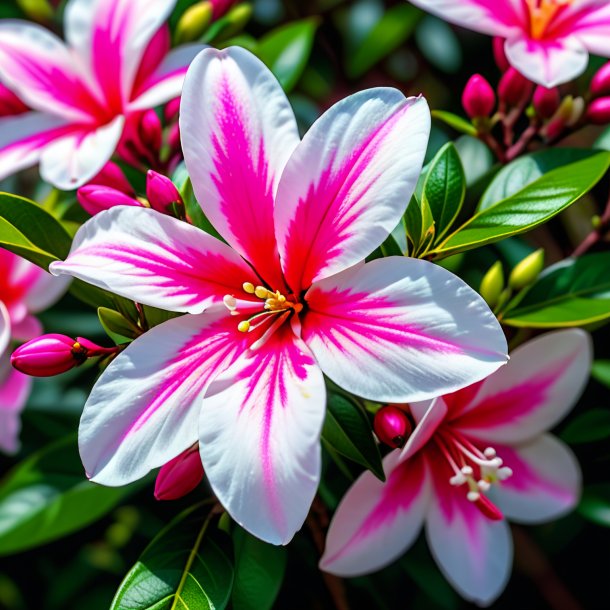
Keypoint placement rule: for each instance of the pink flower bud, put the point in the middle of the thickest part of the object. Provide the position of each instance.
(173, 138)
(478, 99)
(10, 104)
(179, 476)
(392, 426)
(95, 198)
(598, 111)
(514, 89)
(112, 175)
(172, 108)
(161, 192)
(600, 84)
(499, 54)
(150, 131)
(546, 101)
(48, 355)
(221, 7)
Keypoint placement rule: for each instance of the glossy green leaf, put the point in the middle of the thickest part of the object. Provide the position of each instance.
(286, 50)
(116, 325)
(595, 503)
(445, 188)
(47, 496)
(530, 207)
(456, 122)
(573, 292)
(183, 568)
(348, 431)
(419, 225)
(259, 571)
(601, 371)
(593, 425)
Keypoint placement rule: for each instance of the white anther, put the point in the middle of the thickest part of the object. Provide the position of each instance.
(483, 485)
(504, 473)
(467, 470)
(473, 496)
(230, 302)
(496, 462)
(490, 452)
(457, 480)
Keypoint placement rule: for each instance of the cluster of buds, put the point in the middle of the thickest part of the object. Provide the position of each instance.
(111, 188)
(393, 425)
(53, 354)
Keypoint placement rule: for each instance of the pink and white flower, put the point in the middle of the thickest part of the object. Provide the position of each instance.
(477, 457)
(24, 290)
(117, 62)
(286, 299)
(548, 41)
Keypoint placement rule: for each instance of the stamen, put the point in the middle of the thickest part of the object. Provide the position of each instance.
(243, 326)
(230, 302)
(261, 292)
(542, 13)
(248, 287)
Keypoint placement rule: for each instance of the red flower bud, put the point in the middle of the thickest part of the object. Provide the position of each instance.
(478, 99)
(600, 84)
(179, 476)
(161, 192)
(598, 111)
(95, 198)
(112, 175)
(48, 355)
(392, 426)
(221, 7)
(499, 54)
(514, 89)
(546, 101)
(150, 131)
(172, 108)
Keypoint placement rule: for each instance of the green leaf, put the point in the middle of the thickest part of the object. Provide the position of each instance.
(419, 225)
(259, 571)
(183, 568)
(595, 503)
(116, 325)
(27, 230)
(601, 372)
(286, 50)
(574, 292)
(47, 496)
(456, 122)
(391, 31)
(530, 207)
(445, 188)
(593, 425)
(348, 431)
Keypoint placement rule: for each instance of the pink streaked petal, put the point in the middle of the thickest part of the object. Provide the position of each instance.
(70, 161)
(40, 69)
(473, 552)
(534, 391)
(165, 83)
(144, 409)
(5, 328)
(589, 21)
(238, 131)
(494, 17)
(14, 392)
(428, 415)
(377, 522)
(347, 184)
(28, 328)
(545, 484)
(158, 47)
(259, 436)
(417, 330)
(155, 260)
(547, 62)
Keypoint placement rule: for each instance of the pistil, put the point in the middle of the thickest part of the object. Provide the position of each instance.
(542, 13)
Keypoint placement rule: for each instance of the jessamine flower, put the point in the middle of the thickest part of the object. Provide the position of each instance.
(548, 41)
(24, 290)
(116, 63)
(286, 299)
(477, 457)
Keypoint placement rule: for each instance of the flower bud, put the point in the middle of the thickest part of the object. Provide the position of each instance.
(179, 476)
(546, 101)
(112, 175)
(478, 98)
(598, 111)
(172, 108)
(162, 194)
(492, 284)
(221, 7)
(37, 10)
(600, 84)
(194, 22)
(94, 198)
(53, 354)
(514, 89)
(150, 131)
(500, 54)
(10, 104)
(527, 271)
(392, 426)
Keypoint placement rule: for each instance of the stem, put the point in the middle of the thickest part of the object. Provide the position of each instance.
(526, 137)
(596, 235)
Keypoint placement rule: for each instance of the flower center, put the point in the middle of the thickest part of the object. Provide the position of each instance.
(542, 12)
(474, 470)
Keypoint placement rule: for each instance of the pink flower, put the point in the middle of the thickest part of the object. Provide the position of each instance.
(476, 457)
(286, 299)
(116, 63)
(24, 290)
(548, 41)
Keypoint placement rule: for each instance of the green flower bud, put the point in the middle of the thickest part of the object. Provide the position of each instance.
(527, 270)
(194, 22)
(492, 284)
(38, 10)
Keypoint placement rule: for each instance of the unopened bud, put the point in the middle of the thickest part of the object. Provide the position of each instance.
(94, 198)
(112, 175)
(179, 476)
(492, 284)
(570, 110)
(500, 54)
(546, 101)
(150, 131)
(194, 22)
(600, 84)
(578, 110)
(162, 194)
(514, 89)
(221, 7)
(38, 10)
(527, 271)
(10, 104)
(235, 20)
(172, 108)
(478, 98)
(392, 426)
(598, 111)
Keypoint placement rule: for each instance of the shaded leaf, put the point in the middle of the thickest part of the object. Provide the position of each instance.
(593, 425)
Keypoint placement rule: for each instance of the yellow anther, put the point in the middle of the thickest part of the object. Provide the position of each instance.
(76, 345)
(261, 292)
(248, 287)
(281, 298)
(243, 326)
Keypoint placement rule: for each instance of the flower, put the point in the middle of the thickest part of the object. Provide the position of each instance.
(24, 290)
(284, 300)
(548, 41)
(476, 458)
(116, 63)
